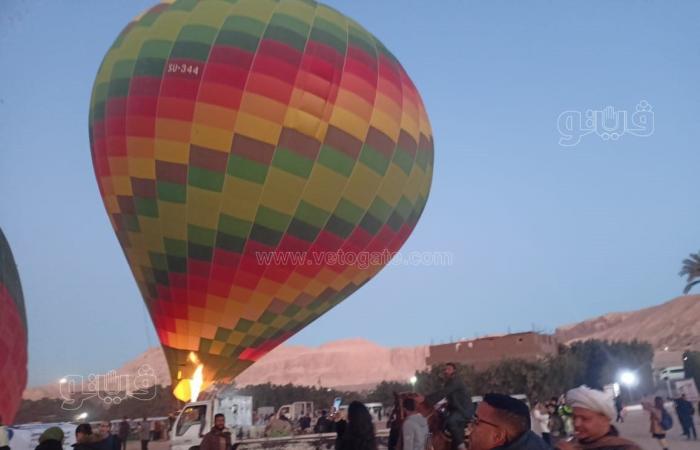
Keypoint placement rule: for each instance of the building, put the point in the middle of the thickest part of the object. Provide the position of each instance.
(483, 352)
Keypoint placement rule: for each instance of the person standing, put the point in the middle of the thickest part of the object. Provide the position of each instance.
(541, 416)
(414, 430)
(219, 437)
(107, 441)
(124, 431)
(556, 425)
(340, 425)
(658, 421)
(685, 412)
(157, 430)
(593, 414)
(144, 433)
(304, 423)
(359, 434)
(619, 407)
(51, 439)
(322, 424)
(171, 422)
(84, 439)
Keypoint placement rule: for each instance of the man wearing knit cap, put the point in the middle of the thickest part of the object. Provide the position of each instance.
(593, 413)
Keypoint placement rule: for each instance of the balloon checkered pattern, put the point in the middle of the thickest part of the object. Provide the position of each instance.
(225, 130)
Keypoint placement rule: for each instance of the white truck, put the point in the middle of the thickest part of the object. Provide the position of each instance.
(197, 418)
(296, 410)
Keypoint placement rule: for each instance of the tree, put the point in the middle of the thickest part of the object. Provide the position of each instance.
(602, 362)
(161, 403)
(384, 391)
(691, 270)
(691, 366)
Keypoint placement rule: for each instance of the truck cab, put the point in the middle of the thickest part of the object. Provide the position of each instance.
(197, 418)
(189, 428)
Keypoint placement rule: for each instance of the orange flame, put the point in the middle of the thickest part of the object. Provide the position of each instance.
(189, 389)
(196, 383)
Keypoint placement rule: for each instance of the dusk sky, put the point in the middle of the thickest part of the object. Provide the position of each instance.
(540, 234)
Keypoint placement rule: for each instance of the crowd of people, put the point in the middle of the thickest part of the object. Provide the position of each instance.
(107, 435)
(280, 426)
(581, 419)
(354, 430)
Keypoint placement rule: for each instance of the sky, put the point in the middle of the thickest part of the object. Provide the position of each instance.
(539, 234)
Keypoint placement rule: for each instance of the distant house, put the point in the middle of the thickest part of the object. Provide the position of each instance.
(484, 352)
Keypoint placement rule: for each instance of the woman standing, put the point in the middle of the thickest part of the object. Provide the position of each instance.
(359, 433)
(656, 421)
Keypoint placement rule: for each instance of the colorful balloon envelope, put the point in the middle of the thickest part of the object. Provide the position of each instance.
(13, 336)
(249, 154)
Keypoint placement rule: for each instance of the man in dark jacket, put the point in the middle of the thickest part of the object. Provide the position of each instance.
(304, 423)
(323, 425)
(85, 439)
(108, 441)
(503, 422)
(685, 412)
(219, 438)
(124, 431)
(459, 405)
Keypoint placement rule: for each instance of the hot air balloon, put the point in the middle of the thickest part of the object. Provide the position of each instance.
(13, 336)
(226, 133)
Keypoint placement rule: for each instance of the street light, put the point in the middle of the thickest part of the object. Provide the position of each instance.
(62, 381)
(413, 381)
(629, 378)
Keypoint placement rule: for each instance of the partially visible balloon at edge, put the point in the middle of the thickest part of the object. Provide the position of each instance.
(13, 336)
(227, 132)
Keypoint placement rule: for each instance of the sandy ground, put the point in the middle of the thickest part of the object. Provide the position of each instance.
(636, 428)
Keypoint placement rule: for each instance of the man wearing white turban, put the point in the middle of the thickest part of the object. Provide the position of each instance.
(593, 413)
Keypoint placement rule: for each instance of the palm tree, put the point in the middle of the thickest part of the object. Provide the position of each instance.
(691, 269)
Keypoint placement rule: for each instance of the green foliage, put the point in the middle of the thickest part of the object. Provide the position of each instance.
(161, 404)
(594, 363)
(691, 270)
(384, 392)
(603, 361)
